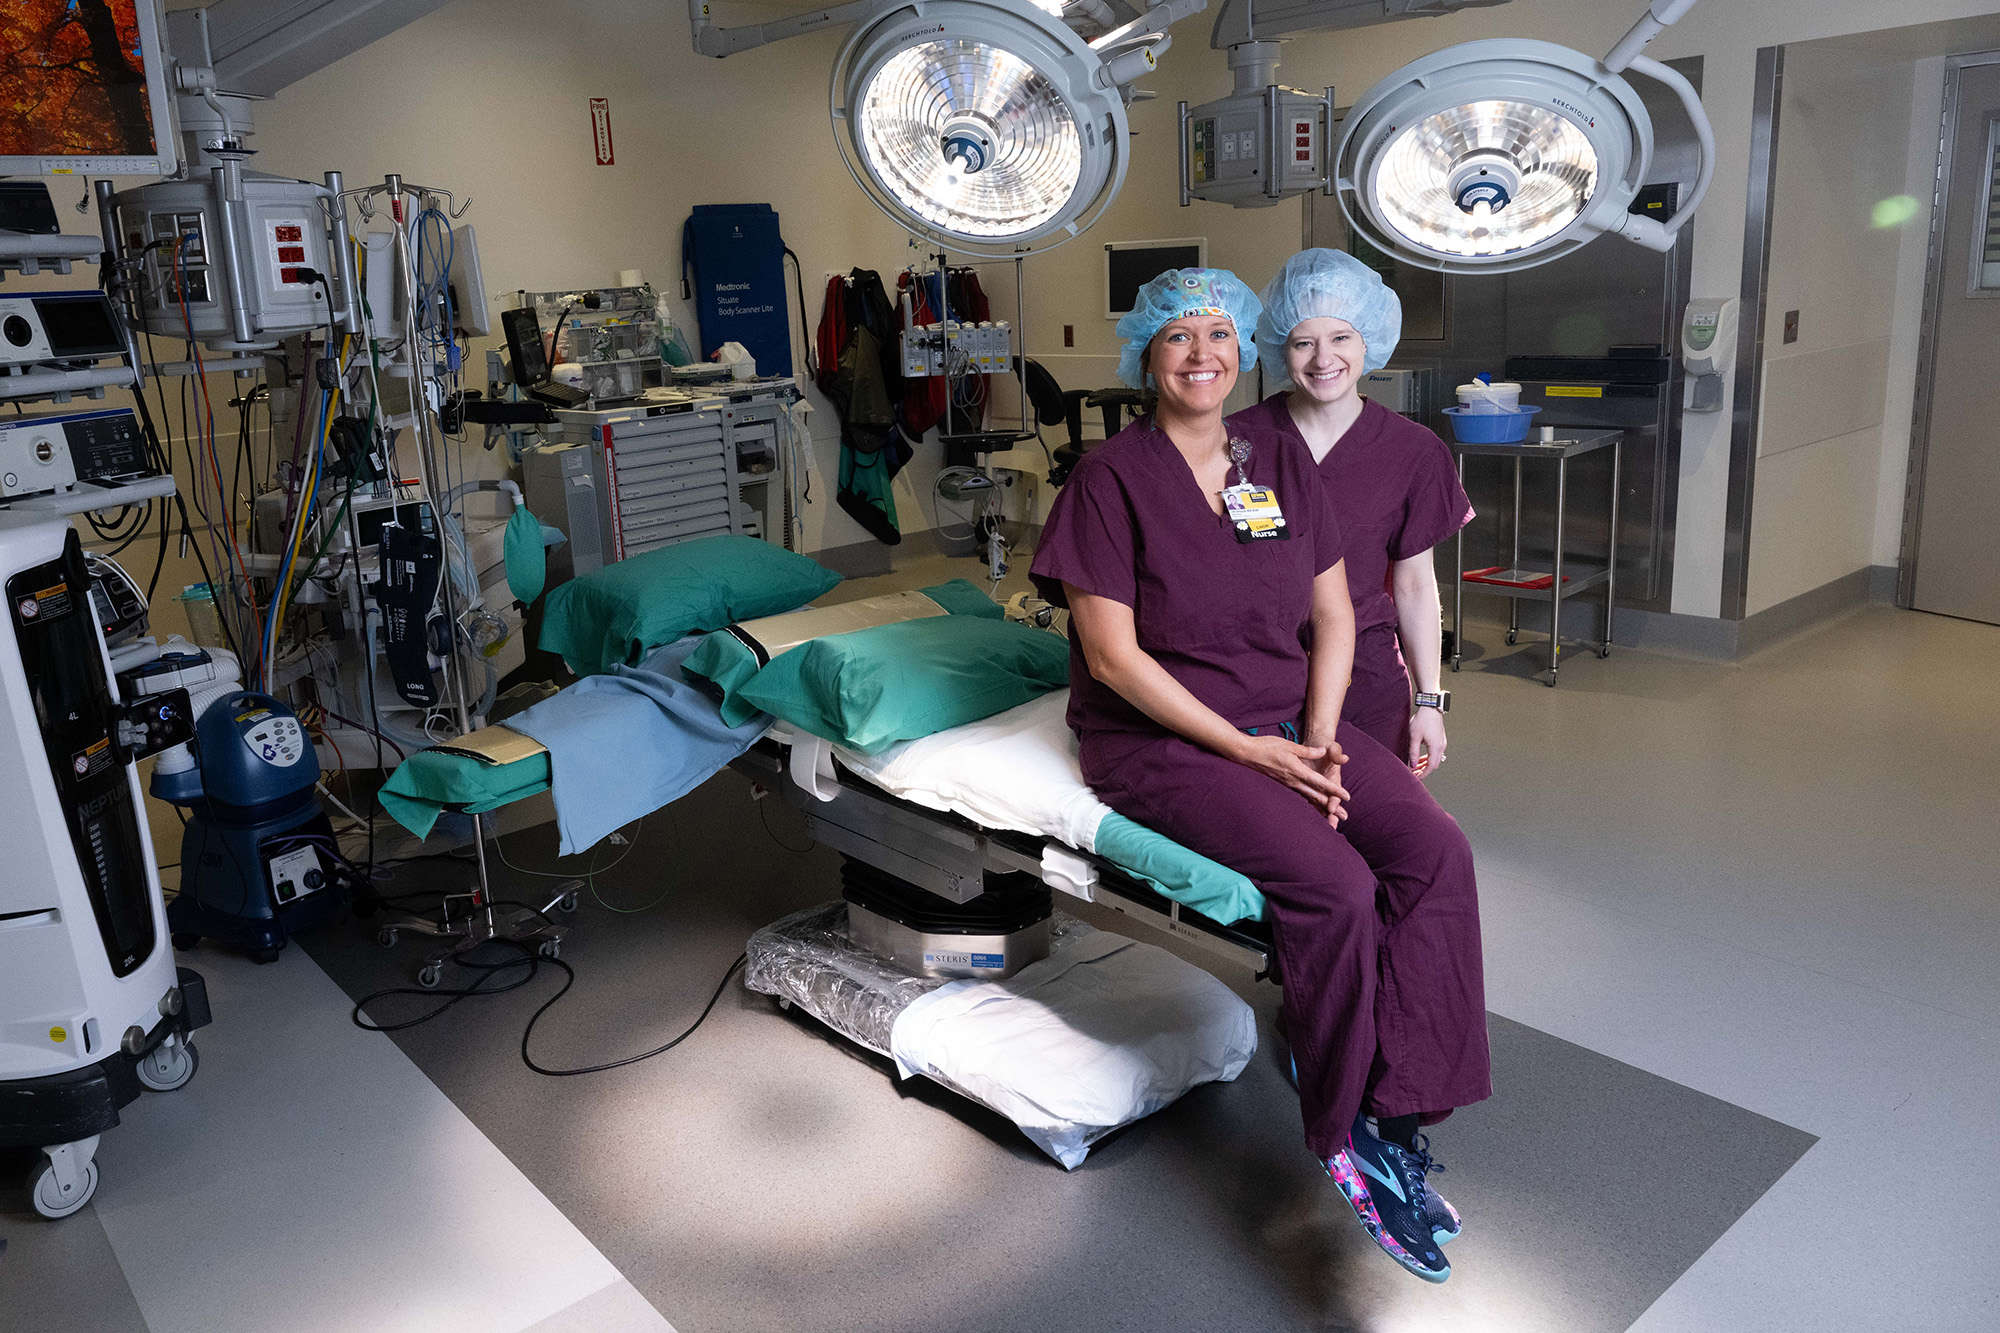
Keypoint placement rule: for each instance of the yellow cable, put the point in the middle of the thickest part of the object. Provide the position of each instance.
(299, 528)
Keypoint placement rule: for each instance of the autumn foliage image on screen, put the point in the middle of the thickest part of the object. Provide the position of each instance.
(71, 79)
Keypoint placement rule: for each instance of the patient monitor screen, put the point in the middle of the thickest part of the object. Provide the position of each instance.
(72, 81)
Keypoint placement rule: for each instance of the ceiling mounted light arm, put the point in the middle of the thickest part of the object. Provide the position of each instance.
(1649, 232)
(710, 40)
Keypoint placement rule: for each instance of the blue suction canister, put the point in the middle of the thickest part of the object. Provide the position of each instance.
(256, 760)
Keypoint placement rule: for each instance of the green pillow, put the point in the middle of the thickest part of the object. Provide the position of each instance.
(723, 660)
(962, 597)
(874, 687)
(621, 612)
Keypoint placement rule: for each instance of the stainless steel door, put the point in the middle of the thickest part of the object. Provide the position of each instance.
(1950, 534)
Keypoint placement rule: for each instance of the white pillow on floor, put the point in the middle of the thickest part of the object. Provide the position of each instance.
(1100, 1033)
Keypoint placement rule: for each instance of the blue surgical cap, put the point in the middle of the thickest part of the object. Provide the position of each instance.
(1330, 284)
(1177, 294)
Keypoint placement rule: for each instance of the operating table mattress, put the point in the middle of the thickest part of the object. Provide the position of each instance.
(1017, 770)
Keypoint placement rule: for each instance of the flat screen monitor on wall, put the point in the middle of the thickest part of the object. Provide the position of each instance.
(83, 90)
(1130, 265)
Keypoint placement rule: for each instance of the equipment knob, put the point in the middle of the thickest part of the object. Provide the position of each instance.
(314, 879)
(19, 332)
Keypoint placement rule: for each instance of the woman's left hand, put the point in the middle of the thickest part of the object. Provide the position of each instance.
(1426, 742)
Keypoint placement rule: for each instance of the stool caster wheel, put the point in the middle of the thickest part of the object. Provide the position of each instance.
(551, 949)
(263, 956)
(387, 937)
(1512, 636)
(1604, 652)
(567, 902)
(185, 940)
(429, 976)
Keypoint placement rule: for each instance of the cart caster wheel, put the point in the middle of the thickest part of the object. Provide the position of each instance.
(185, 940)
(48, 1197)
(1512, 636)
(387, 937)
(1603, 652)
(166, 1068)
(550, 949)
(429, 976)
(1454, 664)
(567, 902)
(263, 956)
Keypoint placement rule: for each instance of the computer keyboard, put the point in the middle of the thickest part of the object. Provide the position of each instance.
(558, 394)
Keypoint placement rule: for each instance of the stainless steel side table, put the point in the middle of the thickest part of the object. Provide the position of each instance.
(1566, 578)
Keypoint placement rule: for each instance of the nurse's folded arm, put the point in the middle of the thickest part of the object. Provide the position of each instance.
(1329, 665)
(1109, 636)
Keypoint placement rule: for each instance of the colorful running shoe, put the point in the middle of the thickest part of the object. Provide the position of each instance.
(1444, 1219)
(1384, 1185)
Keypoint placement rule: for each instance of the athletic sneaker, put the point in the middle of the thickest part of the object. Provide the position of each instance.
(1384, 1185)
(1445, 1222)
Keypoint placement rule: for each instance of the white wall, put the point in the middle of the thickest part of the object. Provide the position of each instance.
(1836, 237)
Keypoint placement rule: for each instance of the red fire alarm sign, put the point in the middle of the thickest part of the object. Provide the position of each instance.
(600, 128)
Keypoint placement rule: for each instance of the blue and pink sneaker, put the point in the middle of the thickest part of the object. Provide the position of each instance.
(1384, 1185)
(1444, 1220)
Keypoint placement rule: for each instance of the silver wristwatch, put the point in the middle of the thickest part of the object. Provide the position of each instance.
(1438, 699)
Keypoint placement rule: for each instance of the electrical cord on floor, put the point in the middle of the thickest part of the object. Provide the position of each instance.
(570, 980)
(534, 962)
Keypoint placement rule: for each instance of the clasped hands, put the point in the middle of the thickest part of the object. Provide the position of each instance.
(1313, 771)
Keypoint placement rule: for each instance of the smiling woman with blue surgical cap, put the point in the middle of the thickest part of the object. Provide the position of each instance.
(1328, 320)
(1211, 639)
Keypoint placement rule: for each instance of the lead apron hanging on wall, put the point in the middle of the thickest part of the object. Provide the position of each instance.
(858, 320)
(738, 287)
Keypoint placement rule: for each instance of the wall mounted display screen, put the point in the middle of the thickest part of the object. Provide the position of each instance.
(1130, 265)
(82, 89)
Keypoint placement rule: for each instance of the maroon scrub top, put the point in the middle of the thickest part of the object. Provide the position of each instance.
(1225, 618)
(1395, 493)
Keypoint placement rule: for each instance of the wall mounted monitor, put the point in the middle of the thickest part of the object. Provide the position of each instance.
(83, 90)
(1130, 265)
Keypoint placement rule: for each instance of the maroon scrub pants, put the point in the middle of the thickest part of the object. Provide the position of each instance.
(1378, 696)
(1376, 923)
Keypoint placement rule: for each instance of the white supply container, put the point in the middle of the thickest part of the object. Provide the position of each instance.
(1482, 399)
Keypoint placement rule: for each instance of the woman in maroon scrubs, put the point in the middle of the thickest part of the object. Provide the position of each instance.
(1210, 643)
(1328, 320)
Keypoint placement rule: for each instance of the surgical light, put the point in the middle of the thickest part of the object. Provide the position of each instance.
(987, 126)
(1500, 155)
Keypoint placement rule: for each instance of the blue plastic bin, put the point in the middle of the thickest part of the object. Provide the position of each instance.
(1490, 427)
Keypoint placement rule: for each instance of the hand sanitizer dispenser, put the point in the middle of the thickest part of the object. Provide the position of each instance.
(1708, 341)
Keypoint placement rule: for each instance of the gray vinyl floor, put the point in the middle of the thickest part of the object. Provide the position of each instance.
(1741, 927)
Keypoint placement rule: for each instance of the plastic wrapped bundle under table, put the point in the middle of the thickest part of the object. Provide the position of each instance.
(1102, 1032)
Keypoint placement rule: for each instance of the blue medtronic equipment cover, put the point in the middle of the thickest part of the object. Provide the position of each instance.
(1177, 294)
(737, 259)
(1330, 284)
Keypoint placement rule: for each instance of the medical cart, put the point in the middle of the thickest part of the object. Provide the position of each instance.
(1563, 578)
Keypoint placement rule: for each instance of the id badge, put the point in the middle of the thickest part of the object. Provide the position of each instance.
(1254, 514)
